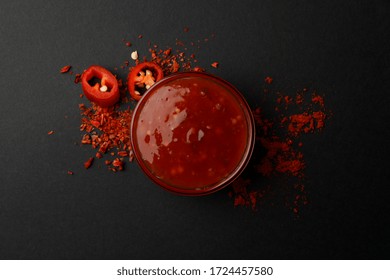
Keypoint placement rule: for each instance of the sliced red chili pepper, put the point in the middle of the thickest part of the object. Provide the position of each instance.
(100, 86)
(143, 76)
(88, 163)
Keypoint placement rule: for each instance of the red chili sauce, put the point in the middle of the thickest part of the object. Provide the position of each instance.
(192, 132)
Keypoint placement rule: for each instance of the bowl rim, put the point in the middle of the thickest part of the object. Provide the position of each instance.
(240, 166)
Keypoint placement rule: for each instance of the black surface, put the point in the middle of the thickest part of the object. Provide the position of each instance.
(338, 47)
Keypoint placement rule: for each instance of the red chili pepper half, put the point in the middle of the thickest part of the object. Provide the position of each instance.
(100, 86)
(142, 77)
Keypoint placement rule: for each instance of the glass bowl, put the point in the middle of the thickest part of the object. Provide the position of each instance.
(192, 133)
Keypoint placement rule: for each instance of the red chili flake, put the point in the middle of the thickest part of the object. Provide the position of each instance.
(77, 78)
(215, 64)
(175, 66)
(88, 163)
(123, 154)
(199, 69)
(153, 54)
(70, 172)
(118, 164)
(186, 29)
(268, 80)
(50, 132)
(103, 147)
(86, 139)
(140, 36)
(65, 69)
(128, 44)
(95, 123)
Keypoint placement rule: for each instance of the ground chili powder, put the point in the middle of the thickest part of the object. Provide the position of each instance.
(278, 140)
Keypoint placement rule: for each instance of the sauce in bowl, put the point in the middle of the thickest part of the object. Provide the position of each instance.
(192, 133)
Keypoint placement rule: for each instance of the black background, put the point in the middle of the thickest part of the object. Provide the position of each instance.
(338, 47)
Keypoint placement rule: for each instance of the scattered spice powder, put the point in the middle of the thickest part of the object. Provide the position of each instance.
(278, 142)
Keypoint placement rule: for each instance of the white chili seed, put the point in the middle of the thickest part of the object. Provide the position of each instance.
(134, 55)
(200, 134)
(103, 88)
